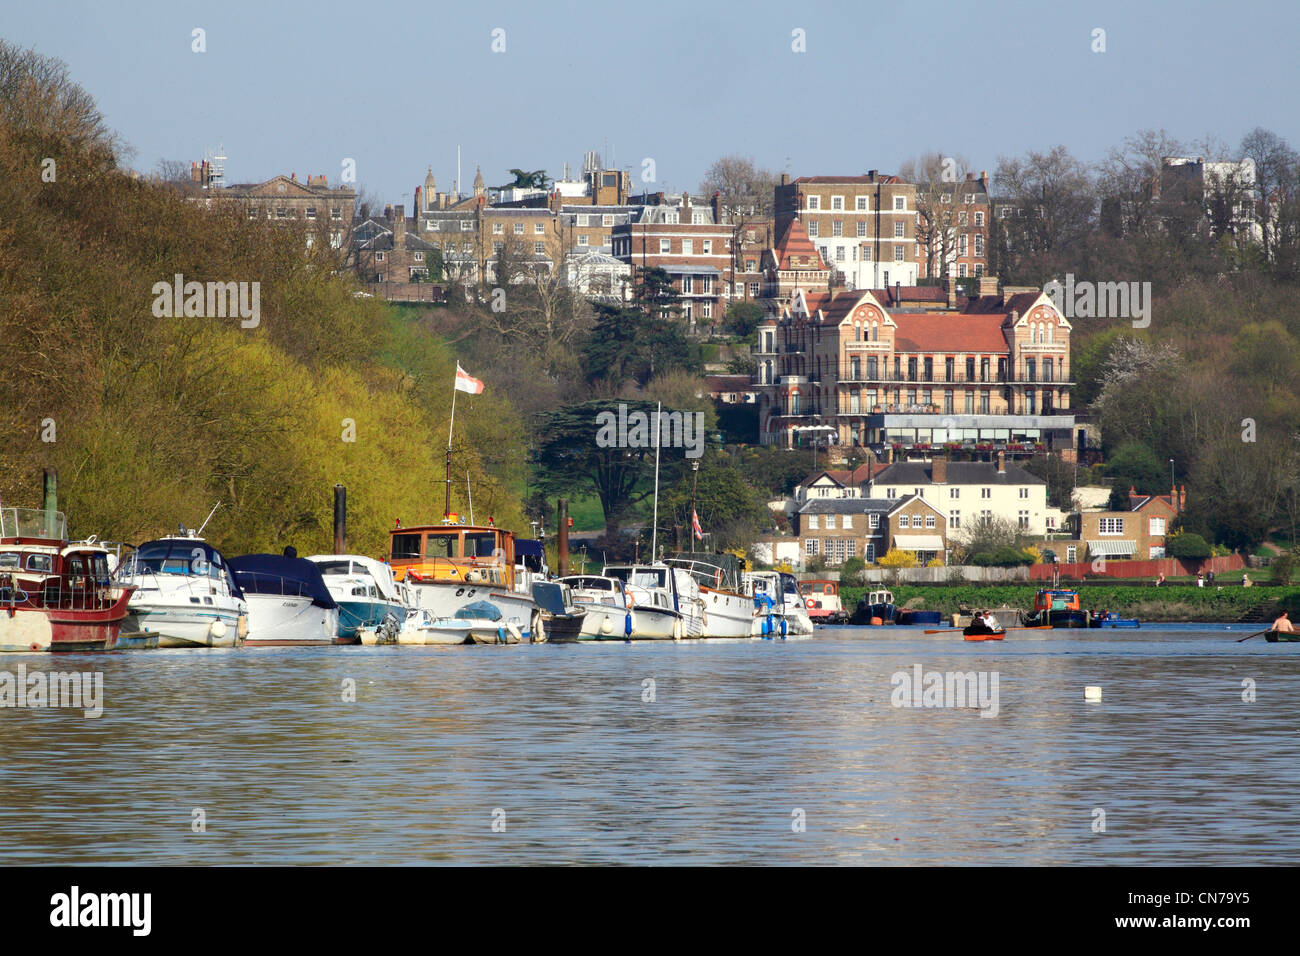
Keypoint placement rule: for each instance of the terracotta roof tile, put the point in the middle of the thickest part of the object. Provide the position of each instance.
(949, 333)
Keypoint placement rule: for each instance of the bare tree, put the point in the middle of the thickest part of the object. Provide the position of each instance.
(1054, 198)
(746, 196)
(937, 178)
(1128, 181)
(1275, 175)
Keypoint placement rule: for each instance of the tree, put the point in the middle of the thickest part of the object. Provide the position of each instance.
(937, 178)
(746, 195)
(899, 559)
(1059, 475)
(1134, 465)
(743, 318)
(1187, 546)
(571, 457)
(626, 345)
(537, 179)
(1128, 182)
(731, 510)
(1275, 178)
(851, 572)
(1054, 200)
(655, 294)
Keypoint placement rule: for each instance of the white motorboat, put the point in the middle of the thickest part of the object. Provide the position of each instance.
(726, 611)
(288, 602)
(665, 604)
(778, 606)
(608, 616)
(185, 596)
(364, 590)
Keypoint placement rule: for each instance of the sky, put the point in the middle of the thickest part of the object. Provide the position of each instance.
(396, 86)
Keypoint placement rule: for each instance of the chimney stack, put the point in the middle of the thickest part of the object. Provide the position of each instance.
(399, 227)
(939, 471)
(1002, 463)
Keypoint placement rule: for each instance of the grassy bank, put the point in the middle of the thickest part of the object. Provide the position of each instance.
(1169, 603)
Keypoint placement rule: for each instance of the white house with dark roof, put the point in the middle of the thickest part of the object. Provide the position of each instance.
(837, 529)
(969, 491)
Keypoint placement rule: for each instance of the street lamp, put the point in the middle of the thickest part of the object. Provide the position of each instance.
(1171, 475)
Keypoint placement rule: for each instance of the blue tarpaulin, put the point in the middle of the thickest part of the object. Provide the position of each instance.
(276, 574)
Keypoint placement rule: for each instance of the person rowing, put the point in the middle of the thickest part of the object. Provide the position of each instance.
(1283, 624)
(990, 621)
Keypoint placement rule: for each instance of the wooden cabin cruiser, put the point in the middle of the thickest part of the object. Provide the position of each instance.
(778, 607)
(665, 601)
(185, 596)
(727, 611)
(364, 590)
(288, 602)
(450, 566)
(55, 594)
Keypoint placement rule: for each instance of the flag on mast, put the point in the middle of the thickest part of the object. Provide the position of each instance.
(695, 525)
(467, 383)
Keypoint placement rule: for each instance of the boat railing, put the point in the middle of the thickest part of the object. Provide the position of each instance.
(705, 573)
(96, 595)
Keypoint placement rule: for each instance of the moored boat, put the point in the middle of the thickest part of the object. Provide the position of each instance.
(364, 590)
(1058, 607)
(727, 611)
(1112, 619)
(185, 596)
(908, 618)
(450, 566)
(288, 602)
(876, 607)
(562, 617)
(606, 613)
(55, 594)
(822, 599)
(778, 607)
(664, 601)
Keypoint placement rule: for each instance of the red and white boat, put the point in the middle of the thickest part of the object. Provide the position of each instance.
(55, 594)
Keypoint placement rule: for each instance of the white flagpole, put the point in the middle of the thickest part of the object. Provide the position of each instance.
(446, 510)
(654, 535)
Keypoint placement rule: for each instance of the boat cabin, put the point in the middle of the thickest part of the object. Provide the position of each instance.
(718, 572)
(453, 554)
(822, 598)
(40, 568)
(1049, 599)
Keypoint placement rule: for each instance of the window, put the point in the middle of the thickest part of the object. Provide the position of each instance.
(970, 199)
(497, 246)
(954, 492)
(336, 213)
(954, 519)
(837, 203)
(1111, 526)
(379, 257)
(539, 248)
(281, 213)
(929, 521)
(961, 244)
(870, 554)
(519, 229)
(891, 493)
(837, 227)
(898, 253)
(665, 246)
(1072, 552)
(311, 212)
(706, 247)
(1024, 492)
(979, 219)
(814, 202)
(1157, 551)
(986, 492)
(961, 218)
(1022, 519)
(961, 268)
(986, 517)
(419, 257)
(946, 198)
(607, 220)
(812, 228)
(900, 202)
(1157, 527)
(753, 289)
(582, 219)
(813, 524)
(688, 284)
(706, 309)
(861, 203)
(582, 239)
(873, 522)
(498, 228)
(862, 228)
(252, 212)
(688, 247)
(810, 546)
(866, 256)
(839, 253)
(698, 219)
(467, 225)
(898, 230)
(539, 229)
(979, 244)
(846, 522)
(905, 521)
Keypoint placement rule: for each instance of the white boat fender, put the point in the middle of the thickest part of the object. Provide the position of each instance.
(1092, 694)
(218, 629)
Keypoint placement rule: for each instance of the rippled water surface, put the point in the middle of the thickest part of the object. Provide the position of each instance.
(556, 743)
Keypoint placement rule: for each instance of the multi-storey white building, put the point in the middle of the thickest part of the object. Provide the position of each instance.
(967, 492)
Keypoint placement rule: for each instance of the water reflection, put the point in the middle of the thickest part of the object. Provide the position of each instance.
(739, 736)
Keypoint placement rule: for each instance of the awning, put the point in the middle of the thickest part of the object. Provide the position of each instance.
(918, 542)
(1112, 549)
(692, 270)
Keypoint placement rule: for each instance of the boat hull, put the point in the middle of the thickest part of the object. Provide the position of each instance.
(354, 615)
(982, 634)
(177, 626)
(443, 600)
(27, 629)
(727, 613)
(277, 620)
(1281, 637)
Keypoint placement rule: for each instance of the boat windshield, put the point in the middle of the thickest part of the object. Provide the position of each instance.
(339, 567)
(176, 557)
(640, 577)
(581, 583)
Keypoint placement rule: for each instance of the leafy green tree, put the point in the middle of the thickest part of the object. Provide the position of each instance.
(655, 294)
(1188, 546)
(1134, 465)
(1059, 475)
(626, 345)
(743, 318)
(850, 572)
(731, 510)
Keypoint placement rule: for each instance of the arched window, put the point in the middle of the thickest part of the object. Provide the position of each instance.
(1050, 328)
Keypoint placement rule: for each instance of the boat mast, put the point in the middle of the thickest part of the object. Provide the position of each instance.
(654, 534)
(469, 493)
(695, 474)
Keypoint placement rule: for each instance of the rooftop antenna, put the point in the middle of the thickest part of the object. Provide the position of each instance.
(199, 533)
(457, 187)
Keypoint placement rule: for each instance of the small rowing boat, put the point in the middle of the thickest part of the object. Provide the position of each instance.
(1282, 637)
(978, 632)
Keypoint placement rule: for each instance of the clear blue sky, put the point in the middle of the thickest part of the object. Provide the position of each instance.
(396, 85)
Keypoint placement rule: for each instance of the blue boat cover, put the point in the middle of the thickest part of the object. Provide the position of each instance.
(550, 597)
(528, 547)
(152, 555)
(276, 574)
(477, 610)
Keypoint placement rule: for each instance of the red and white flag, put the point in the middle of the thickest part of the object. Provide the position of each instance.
(695, 525)
(466, 382)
